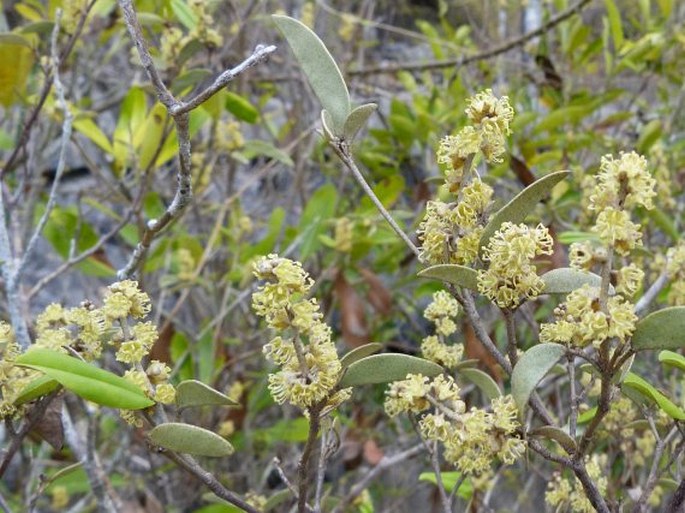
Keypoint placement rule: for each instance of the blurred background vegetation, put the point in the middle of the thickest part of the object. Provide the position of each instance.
(605, 77)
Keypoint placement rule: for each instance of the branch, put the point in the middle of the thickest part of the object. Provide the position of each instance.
(61, 162)
(661, 445)
(488, 54)
(305, 459)
(651, 293)
(179, 111)
(207, 478)
(342, 149)
(385, 463)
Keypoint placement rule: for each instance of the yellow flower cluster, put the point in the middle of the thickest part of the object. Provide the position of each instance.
(473, 439)
(441, 311)
(511, 275)
(580, 321)
(564, 495)
(490, 117)
(450, 232)
(309, 372)
(84, 329)
(621, 185)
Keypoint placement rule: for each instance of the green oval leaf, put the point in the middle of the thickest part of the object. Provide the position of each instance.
(467, 364)
(635, 382)
(483, 381)
(39, 387)
(189, 439)
(664, 329)
(567, 279)
(241, 108)
(449, 481)
(321, 70)
(85, 380)
(531, 368)
(357, 119)
(195, 393)
(360, 352)
(518, 208)
(384, 368)
(452, 273)
(672, 359)
(556, 434)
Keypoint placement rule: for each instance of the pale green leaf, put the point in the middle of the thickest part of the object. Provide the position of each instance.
(357, 119)
(635, 382)
(327, 125)
(189, 439)
(452, 273)
(85, 380)
(663, 329)
(36, 388)
(318, 65)
(483, 381)
(558, 435)
(384, 368)
(17, 60)
(184, 13)
(196, 393)
(567, 279)
(360, 352)
(672, 359)
(518, 208)
(531, 368)
(615, 25)
(241, 108)
(449, 481)
(89, 128)
(256, 147)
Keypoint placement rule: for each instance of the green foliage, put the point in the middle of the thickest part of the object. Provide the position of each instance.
(195, 393)
(384, 368)
(190, 439)
(663, 329)
(97, 385)
(535, 363)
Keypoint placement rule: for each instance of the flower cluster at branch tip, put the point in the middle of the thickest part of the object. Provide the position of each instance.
(83, 329)
(472, 439)
(621, 185)
(451, 232)
(441, 311)
(490, 117)
(580, 321)
(309, 363)
(563, 494)
(511, 275)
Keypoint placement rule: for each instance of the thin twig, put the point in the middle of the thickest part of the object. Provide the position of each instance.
(179, 111)
(652, 478)
(488, 54)
(207, 478)
(305, 459)
(651, 293)
(64, 145)
(385, 463)
(342, 149)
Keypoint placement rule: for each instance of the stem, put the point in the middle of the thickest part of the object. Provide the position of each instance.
(648, 488)
(573, 417)
(512, 341)
(305, 461)
(435, 463)
(342, 149)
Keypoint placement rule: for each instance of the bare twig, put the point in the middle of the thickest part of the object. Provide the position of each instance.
(31, 420)
(45, 91)
(653, 476)
(651, 293)
(207, 478)
(305, 459)
(342, 149)
(84, 450)
(179, 111)
(385, 463)
(488, 54)
(61, 162)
